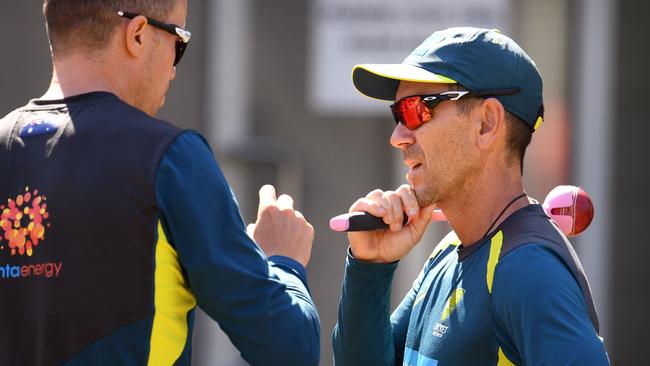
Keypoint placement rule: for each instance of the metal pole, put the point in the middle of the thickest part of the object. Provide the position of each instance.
(227, 121)
(594, 139)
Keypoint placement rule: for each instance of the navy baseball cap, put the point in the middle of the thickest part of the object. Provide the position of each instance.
(478, 59)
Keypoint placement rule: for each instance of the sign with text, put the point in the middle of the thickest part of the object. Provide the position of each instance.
(349, 32)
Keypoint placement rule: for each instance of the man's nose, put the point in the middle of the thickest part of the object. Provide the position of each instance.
(401, 137)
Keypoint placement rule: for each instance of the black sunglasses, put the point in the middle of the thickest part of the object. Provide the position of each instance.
(182, 34)
(415, 110)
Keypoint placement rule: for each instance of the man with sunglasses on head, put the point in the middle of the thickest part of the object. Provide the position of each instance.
(505, 286)
(116, 225)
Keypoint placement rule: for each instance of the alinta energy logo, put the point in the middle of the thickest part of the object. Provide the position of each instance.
(23, 221)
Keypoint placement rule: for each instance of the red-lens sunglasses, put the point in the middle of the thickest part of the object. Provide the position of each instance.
(416, 110)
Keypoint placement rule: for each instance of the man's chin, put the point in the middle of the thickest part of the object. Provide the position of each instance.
(423, 196)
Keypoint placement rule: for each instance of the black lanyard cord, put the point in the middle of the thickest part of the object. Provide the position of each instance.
(504, 210)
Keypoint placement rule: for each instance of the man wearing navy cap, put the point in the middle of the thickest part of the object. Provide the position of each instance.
(505, 286)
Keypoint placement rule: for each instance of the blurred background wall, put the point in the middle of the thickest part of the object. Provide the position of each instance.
(248, 83)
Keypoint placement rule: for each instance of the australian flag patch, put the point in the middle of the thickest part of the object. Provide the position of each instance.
(37, 127)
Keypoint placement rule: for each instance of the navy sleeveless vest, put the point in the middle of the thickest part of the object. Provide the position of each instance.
(78, 223)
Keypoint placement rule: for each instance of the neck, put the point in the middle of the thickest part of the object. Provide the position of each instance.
(76, 74)
(477, 205)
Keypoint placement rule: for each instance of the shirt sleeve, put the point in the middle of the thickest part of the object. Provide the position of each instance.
(540, 313)
(264, 306)
(365, 334)
(401, 317)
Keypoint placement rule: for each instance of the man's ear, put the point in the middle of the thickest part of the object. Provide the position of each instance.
(135, 36)
(492, 117)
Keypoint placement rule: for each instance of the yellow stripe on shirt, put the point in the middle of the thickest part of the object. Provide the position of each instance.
(495, 251)
(503, 360)
(172, 301)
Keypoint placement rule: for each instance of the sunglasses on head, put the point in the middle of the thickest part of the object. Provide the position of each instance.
(416, 110)
(182, 34)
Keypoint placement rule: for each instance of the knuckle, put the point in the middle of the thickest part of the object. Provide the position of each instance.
(384, 200)
(270, 210)
(356, 204)
(388, 193)
(405, 193)
(300, 217)
(375, 193)
(374, 202)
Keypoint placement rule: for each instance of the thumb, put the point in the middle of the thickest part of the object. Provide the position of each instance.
(422, 220)
(250, 230)
(267, 197)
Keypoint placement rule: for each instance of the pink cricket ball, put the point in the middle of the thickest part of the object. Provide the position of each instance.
(571, 208)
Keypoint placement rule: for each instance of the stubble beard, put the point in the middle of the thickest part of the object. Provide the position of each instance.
(425, 189)
(427, 194)
(150, 101)
(444, 185)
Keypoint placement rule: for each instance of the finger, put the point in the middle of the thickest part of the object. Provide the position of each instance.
(267, 196)
(379, 197)
(396, 209)
(421, 221)
(369, 206)
(377, 193)
(285, 202)
(409, 201)
(388, 206)
(426, 213)
(301, 217)
(250, 230)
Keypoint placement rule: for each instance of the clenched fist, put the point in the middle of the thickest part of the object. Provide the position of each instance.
(389, 245)
(280, 229)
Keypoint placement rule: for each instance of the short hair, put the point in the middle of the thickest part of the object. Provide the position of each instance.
(518, 133)
(89, 24)
(518, 136)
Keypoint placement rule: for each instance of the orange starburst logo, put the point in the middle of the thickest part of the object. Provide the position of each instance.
(23, 221)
